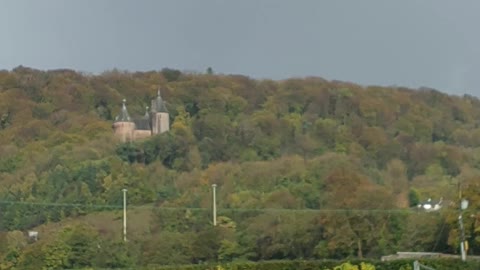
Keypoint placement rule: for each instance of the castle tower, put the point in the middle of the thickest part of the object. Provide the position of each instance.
(123, 126)
(160, 117)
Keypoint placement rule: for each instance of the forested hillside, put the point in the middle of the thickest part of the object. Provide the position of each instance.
(305, 169)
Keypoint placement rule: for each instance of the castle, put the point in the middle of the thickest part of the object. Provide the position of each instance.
(154, 122)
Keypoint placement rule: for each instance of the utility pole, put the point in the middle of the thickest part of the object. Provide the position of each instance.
(463, 206)
(214, 186)
(124, 215)
(462, 238)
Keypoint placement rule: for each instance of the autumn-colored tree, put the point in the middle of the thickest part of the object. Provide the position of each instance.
(276, 150)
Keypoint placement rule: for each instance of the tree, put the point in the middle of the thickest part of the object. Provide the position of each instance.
(360, 229)
(205, 245)
(279, 236)
(396, 180)
(171, 74)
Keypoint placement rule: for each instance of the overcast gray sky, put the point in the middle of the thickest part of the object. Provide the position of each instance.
(433, 43)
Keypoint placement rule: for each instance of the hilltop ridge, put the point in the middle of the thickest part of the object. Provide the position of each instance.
(296, 144)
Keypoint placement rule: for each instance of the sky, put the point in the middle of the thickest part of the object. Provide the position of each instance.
(412, 43)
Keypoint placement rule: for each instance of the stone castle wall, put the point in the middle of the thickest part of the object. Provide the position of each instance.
(124, 131)
(160, 123)
(141, 134)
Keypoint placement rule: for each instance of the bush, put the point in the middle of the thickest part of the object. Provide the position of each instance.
(451, 264)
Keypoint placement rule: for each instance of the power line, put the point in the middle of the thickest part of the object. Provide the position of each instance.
(52, 204)
(221, 210)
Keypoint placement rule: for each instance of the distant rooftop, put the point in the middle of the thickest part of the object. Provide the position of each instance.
(159, 104)
(123, 116)
(143, 123)
(430, 205)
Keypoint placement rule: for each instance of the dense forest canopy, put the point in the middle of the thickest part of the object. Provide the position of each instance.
(305, 168)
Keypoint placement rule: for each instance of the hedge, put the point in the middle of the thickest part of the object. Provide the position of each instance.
(438, 264)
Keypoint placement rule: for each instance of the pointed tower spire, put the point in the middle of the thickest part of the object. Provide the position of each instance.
(123, 116)
(159, 105)
(147, 115)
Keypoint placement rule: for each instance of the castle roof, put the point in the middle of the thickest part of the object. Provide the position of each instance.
(143, 123)
(123, 116)
(159, 105)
